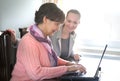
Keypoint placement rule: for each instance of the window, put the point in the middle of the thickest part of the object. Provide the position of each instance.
(99, 18)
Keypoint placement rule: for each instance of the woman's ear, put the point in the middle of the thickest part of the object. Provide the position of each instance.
(44, 19)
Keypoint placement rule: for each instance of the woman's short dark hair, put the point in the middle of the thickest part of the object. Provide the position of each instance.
(51, 11)
(75, 12)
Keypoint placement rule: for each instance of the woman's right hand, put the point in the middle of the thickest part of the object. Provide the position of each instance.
(77, 67)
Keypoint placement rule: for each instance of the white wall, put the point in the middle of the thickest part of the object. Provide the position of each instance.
(100, 21)
(17, 13)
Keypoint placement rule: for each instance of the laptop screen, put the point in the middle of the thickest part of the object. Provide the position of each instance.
(92, 71)
(98, 68)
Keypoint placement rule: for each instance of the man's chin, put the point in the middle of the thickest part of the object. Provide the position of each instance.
(51, 34)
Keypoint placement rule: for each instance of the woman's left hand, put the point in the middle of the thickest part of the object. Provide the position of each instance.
(81, 68)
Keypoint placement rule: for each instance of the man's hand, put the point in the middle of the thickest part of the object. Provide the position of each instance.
(77, 57)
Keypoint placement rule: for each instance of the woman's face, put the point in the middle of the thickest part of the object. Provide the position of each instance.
(71, 22)
(51, 27)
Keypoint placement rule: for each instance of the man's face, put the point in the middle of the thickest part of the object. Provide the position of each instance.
(71, 22)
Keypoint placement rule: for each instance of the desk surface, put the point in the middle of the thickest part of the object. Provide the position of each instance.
(107, 66)
(89, 79)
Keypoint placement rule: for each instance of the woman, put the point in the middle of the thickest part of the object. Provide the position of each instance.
(36, 60)
(63, 40)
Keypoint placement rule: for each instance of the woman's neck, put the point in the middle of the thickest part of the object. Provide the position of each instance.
(41, 28)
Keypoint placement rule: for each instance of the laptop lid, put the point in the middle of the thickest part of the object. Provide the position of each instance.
(98, 68)
(85, 77)
(90, 74)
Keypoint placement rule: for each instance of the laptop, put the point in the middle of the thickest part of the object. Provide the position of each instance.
(77, 76)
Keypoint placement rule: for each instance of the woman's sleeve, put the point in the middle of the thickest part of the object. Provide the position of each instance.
(32, 63)
(61, 61)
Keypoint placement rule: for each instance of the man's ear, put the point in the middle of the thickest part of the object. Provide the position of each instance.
(78, 22)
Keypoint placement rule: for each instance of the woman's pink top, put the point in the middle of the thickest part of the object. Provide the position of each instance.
(33, 63)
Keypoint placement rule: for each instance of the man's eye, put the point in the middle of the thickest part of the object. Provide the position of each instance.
(75, 22)
(69, 21)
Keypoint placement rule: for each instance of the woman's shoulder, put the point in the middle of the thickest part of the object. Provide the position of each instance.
(28, 38)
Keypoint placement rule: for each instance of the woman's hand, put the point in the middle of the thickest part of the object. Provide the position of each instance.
(81, 68)
(77, 67)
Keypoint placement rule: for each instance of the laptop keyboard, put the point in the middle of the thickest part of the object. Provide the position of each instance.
(73, 74)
